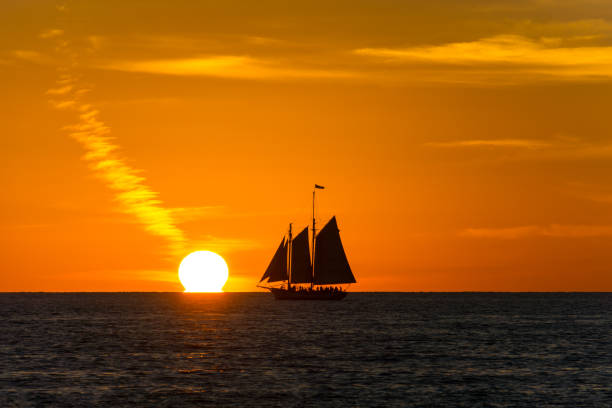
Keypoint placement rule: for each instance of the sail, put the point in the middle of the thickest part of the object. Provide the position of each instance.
(330, 264)
(277, 270)
(301, 268)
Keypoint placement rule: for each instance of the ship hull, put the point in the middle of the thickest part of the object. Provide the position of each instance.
(284, 294)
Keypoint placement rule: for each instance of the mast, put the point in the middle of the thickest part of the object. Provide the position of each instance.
(289, 247)
(313, 235)
(314, 231)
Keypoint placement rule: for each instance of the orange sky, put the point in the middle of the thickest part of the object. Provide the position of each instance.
(464, 145)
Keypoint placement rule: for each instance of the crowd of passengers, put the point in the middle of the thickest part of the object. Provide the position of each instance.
(330, 289)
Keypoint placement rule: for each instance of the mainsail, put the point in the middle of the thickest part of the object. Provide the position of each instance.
(277, 270)
(330, 264)
(301, 268)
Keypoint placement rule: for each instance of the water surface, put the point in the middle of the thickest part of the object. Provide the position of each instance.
(176, 349)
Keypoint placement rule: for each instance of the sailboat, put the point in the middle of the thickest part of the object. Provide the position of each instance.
(303, 276)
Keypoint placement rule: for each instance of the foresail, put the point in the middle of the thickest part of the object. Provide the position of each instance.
(331, 265)
(301, 268)
(277, 270)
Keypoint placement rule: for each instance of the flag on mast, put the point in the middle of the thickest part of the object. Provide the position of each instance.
(318, 186)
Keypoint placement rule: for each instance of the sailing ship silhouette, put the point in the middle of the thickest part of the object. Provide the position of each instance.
(293, 265)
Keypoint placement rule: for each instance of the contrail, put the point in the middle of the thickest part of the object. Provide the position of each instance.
(101, 152)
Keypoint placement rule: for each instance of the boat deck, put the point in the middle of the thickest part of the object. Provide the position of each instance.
(284, 294)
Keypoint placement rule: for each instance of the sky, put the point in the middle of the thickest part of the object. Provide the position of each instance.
(464, 146)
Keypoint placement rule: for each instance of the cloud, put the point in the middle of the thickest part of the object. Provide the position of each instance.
(589, 192)
(570, 31)
(101, 152)
(60, 90)
(30, 56)
(503, 55)
(51, 33)
(557, 147)
(225, 66)
(263, 40)
(131, 190)
(554, 230)
(63, 104)
(96, 41)
(516, 143)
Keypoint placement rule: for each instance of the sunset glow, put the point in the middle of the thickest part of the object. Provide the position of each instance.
(465, 145)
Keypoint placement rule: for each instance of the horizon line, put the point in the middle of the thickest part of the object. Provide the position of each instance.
(232, 292)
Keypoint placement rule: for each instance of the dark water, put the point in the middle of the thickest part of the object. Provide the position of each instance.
(248, 350)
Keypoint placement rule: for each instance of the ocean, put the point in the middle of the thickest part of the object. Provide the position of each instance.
(246, 349)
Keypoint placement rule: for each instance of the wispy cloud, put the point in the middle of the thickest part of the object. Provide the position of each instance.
(554, 230)
(30, 56)
(513, 49)
(505, 55)
(226, 66)
(60, 90)
(51, 33)
(516, 143)
(132, 192)
(256, 40)
(589, 192)
(102, 153)
(556, 147)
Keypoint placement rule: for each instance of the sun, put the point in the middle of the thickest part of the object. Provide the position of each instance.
(203, 271)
